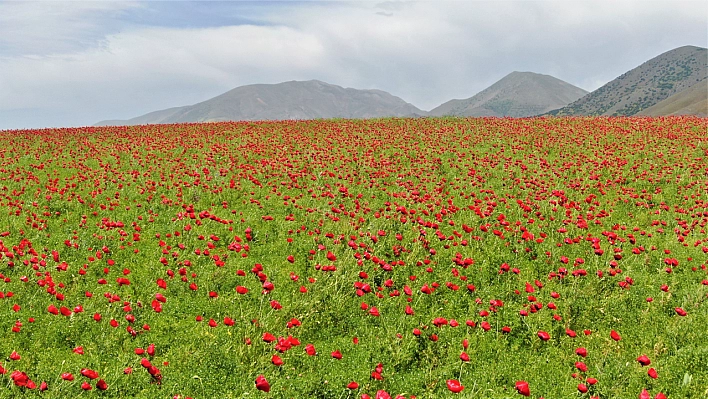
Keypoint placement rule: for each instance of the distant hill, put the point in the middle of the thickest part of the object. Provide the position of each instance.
(151, 118)
(644, 86)
(283, 101)
(692, 101)
(518, 94)
(672, 83)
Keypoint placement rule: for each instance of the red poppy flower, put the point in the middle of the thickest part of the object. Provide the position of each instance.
(454, 386)
(310, 350)
(644, 360)
(381, 394)
(262, 384)
(88, 373)
(614, 335)
(522, 387)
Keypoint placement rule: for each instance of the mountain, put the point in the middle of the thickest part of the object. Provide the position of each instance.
(518, 94)
(645, 85)
(151, 118)
(289, 100)
(692, 101)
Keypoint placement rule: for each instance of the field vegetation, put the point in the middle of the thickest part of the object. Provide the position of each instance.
(427, 258)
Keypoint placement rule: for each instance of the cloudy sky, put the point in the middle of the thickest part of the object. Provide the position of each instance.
(76, 63)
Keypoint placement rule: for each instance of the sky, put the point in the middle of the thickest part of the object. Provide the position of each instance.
(79, 62)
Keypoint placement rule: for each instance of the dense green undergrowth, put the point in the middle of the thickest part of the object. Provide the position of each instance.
(588, 225)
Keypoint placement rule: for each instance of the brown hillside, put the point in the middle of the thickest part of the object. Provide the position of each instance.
(646, 85)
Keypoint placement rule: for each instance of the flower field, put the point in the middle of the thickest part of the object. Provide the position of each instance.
(426, 258)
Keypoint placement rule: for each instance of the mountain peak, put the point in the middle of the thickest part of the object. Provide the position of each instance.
(310, 99)
(518, 94)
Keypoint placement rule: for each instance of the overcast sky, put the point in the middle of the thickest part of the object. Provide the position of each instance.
(76, 63)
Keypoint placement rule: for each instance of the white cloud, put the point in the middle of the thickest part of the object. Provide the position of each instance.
(98, 67)
(156, 67)
(56, 27)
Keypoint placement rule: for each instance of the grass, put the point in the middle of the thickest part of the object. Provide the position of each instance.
(168, 202)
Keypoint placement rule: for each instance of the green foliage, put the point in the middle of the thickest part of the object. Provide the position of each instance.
(171, 201)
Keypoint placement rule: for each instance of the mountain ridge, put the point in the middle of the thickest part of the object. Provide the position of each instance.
(643, 86)
(311, 99)
(518, 94)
